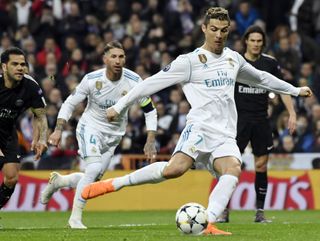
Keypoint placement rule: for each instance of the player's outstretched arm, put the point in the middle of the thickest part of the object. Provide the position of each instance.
(177, 72)
(251, 76)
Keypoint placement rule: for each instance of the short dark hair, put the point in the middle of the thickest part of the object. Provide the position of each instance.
(250, 30)
(12, 50)
(216, 13)
(112, 45)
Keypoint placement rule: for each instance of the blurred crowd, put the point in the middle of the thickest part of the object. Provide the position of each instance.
(64, 39)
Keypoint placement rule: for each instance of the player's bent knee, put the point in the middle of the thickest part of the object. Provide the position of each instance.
(234, 169)
(173, 172)
(261, 164)
(237, 168)
(261, 168)
(177, 166)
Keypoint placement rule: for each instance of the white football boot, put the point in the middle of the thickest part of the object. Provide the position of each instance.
(51, 188)
(76, 224)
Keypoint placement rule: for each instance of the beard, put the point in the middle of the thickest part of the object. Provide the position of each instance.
(14, 78)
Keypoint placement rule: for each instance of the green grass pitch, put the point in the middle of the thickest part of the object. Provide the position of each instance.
(154, 225)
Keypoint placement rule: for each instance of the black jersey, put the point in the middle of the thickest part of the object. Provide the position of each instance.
(14, 101)
(252, 102)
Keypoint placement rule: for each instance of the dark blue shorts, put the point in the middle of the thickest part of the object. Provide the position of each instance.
(10, 151)
(258, 133)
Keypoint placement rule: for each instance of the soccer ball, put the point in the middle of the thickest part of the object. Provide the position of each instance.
(191, 218)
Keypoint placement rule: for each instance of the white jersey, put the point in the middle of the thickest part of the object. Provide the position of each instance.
(101, 93)
(208, 82)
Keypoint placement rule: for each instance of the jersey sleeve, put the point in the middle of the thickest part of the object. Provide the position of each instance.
(176, 72)
(276, 69)
(79, 94)
(251, 76)
(37, 100)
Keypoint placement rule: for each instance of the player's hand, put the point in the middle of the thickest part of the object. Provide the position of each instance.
(305, 91)
(150, 150)
(112, 115)
(292, 123)
(33, 144)
(55, 138)
(39, 148)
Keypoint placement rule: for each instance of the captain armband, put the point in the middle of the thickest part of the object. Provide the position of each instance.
(147, 105)
(150, 114)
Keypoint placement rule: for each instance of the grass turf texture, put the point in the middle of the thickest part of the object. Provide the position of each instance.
(154, 225)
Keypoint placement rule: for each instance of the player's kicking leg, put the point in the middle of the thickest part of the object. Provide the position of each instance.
(226, 162)
(153, 173)
(218, 200)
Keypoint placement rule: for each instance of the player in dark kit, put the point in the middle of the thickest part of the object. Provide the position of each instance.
(253, 123)
(18, 92)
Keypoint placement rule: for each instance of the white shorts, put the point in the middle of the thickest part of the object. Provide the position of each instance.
(93, 143)
(205, 148)
(107, 159)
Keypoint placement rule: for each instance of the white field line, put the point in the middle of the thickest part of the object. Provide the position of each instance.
(133, 225)
(106, 226)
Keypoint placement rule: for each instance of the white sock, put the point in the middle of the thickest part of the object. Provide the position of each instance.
(92, 171)
(220, 196)
(70, 180)
(148, 174)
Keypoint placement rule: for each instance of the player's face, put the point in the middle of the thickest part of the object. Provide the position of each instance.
(216, 33)
(114, 59)
(254, 44)
(14, 69)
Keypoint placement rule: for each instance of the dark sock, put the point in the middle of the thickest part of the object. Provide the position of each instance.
(5, 194)
(261, 186)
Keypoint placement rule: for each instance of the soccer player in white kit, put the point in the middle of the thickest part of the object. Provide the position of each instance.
(97, 137)
(207, 76)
